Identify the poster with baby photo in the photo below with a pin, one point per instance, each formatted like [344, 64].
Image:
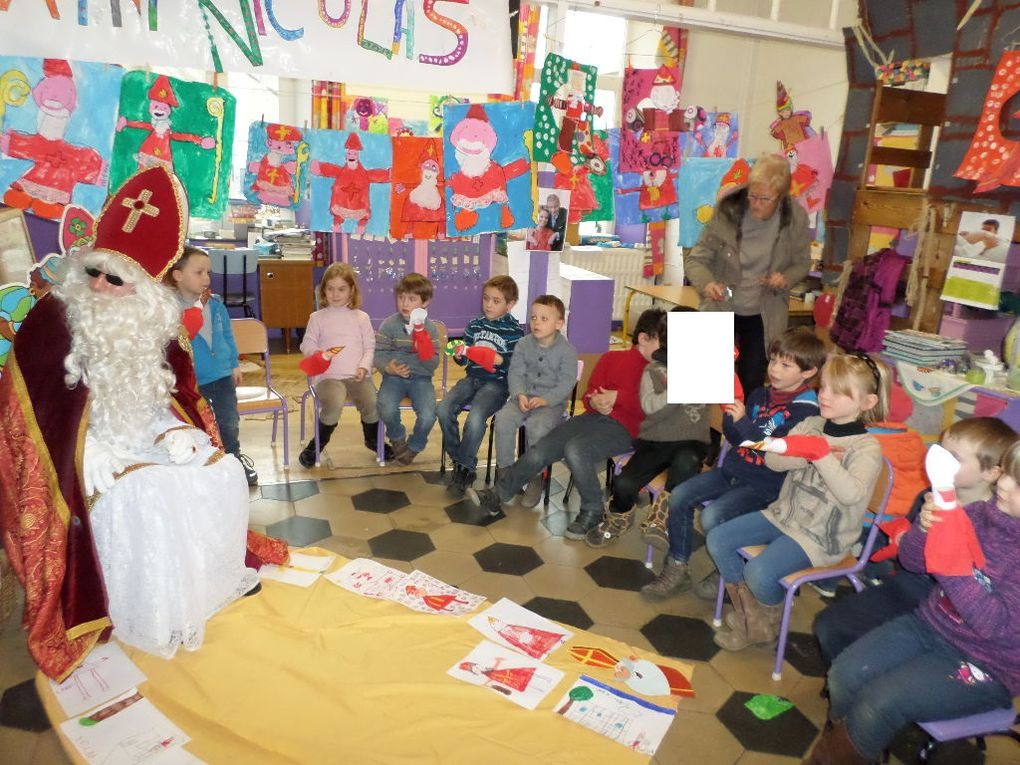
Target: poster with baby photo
[522, 680]
[984, 236]
[550, 227]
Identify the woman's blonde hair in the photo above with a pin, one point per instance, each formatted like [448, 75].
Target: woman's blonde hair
[339, 271]
[772, 171]
[857, 376]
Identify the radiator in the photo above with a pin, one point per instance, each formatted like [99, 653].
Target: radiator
[623, 265]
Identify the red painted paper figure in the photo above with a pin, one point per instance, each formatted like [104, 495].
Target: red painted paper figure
[46, 188]
[350, 198]
[274, 173]
[534, 642]
[514, 678]
[575, 108]
[657, 189]
[480, 181]
[595, 154]
[423, 209]
[992, 159]
[722, 138]
[661, 110]
[156, 148]
[791, 127]
[640, 675]
[436, 602]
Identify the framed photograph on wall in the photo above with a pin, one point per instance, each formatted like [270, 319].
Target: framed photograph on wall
[16, 254]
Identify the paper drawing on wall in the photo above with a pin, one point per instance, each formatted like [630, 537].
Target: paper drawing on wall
[523, 680]
[704, 181]
[488, 167]
[56, 133]
[640, 675]
[635, 201]
[353, 196]
[810, 172]
[187, 127]
[589, 182]
[992, 160]
[791, 127]
[436, 106]
[401, 127]
[565, 105]
[368, 115]
[276, 172]
[418, 199]
[653, 119]
[716, 137]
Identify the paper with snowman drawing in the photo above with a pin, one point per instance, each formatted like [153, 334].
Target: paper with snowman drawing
[523, 680]
[514, 626]
[421, 592]
[367, 577]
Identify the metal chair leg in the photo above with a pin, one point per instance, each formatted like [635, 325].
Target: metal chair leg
[488, 459]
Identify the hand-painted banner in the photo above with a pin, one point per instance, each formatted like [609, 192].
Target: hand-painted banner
[186, 126]
[488, 167]
[417, 203]
[590, 182]
[700, 179]
[566, 104]
[715, 137]
[350, 182]
[641, 197]
[454, 45]
[56, 133]
[277, 169]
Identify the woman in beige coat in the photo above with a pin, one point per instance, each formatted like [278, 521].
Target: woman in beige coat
[755, 247]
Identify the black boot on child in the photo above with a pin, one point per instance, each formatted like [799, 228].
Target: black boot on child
[307, 456]
[371, 432]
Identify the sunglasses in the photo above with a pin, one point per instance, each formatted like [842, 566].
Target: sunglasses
[95, 273]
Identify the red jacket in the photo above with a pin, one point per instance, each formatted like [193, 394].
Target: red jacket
[620, 371]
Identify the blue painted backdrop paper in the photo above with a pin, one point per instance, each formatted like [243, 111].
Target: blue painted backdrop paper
[513, 123]
[699, 183]
[294, 173]
[377, 154]
[91, 124]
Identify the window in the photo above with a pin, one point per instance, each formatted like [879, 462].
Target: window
[258, 98]
[595, 39]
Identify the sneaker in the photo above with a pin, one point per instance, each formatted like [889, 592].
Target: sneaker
[613, 526]
[672, 580]
[398, 448]
[462, 478]
[407, 457]
[653, 530]
[584, 523]
[249, 469]
[488, 500]
[533, 491]
[826, 587]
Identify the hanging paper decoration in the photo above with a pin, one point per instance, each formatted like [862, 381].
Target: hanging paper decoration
[715, 137]
[791, 127]
[436, 106]
[992, 159]
[810, 172]
[488, 167]
[899, 73]
[368, 115]
[566, 102]
[56, 133]
[402, 127]
[642, 197]
[350, 176]
[653, 119]
[655, 256]
[590, 183]
[187, 127]
[417, 200]
[276, 172]
[704, 180]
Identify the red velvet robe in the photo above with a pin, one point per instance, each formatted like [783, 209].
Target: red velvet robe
[43, 513]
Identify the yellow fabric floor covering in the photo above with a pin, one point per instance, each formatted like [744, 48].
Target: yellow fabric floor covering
[321, 675]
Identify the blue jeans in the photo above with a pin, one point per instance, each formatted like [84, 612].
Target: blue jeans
[904, 672]
[585, 442]
[844, 621]
[423, 400]
[782, 556]
[222, 397]
[730, 497]
[486, 397]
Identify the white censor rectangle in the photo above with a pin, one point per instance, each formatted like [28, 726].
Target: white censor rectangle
[699, 355]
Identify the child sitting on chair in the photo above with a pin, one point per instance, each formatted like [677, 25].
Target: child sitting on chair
[339, 346]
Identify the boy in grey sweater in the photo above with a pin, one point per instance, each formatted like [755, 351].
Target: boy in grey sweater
[407, 357]
[672, 438]
[543, 370]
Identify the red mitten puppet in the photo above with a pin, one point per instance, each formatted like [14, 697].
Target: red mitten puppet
[482, 355]
[809, 447]
[951, 548]
[894, 529]
[314, 365]
[421, 341]
[192, 320]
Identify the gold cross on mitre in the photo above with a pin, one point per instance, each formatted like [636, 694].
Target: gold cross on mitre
[139, 207]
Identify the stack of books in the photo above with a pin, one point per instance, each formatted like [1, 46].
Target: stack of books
[922, 348]
[293, 242]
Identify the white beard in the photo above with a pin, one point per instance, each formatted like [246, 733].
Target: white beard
[118, 351]
[51, 126]
[474, 165]
[664, 97]
[161, 125]
[426, 195]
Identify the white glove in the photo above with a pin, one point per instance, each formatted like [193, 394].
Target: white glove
[101, 463]
[181, 445]
[417, 319]
[942, 467]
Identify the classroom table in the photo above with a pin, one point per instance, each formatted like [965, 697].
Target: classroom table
[687, 296]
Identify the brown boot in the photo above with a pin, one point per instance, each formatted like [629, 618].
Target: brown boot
[762, 621]
[733, 636]
[835, 748]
